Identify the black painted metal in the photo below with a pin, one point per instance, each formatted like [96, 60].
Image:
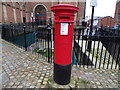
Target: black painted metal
[62, 74]
[25, 38]
[91, 30]
[105, 47]
[49, 29]
[12, 33]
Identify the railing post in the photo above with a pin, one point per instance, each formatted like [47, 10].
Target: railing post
[25, 37]
[91, 30]
[48, 30]
[0, 30]
[11, 26]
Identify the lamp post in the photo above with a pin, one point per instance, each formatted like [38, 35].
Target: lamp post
[84, 8]
[93, 4]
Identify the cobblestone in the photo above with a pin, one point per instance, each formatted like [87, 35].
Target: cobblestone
[39, 81]
[25, 70]
[44, 82]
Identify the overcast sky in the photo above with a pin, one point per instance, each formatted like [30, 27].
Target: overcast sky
[103, 8]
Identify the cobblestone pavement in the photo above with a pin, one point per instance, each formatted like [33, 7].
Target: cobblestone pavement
[21, 69]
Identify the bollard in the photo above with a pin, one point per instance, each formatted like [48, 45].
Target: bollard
[64, 27]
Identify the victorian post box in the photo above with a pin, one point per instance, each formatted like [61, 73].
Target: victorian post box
[64, 27]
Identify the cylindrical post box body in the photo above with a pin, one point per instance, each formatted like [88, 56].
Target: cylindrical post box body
[64, 27]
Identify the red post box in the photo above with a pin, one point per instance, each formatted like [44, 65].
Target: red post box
[64, 27]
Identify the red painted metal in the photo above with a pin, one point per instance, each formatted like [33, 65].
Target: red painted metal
[64, 13]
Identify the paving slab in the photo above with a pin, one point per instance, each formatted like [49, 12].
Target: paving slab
[4, 78]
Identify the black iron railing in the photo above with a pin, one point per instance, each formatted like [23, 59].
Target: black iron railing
[96, 49]
[104, 48]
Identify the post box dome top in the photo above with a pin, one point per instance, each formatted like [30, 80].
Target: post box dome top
[64, 7]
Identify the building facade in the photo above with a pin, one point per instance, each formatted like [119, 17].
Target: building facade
[96, 20]
[19, 12]
[107, 21]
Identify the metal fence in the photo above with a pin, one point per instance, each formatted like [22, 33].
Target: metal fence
[99, 48]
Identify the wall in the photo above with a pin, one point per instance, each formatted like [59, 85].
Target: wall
[1, 11]
[10, 15]
[19, 11]
[107, 21]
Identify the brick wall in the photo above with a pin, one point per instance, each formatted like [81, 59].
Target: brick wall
[24, 13]
[1, 13]
[18, 14]
[31, 6]
[107, 21]
[10, 12]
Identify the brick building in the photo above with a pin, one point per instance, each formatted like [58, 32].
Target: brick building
[117, 12]
[19, 12]
[107, 21]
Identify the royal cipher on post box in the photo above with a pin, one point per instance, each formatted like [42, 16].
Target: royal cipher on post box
[64, 27]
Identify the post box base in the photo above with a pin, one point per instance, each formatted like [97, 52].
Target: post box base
[62, 74]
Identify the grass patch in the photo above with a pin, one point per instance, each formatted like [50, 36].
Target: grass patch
[84, 82]
[44, 52]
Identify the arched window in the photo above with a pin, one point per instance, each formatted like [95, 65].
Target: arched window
[40, 15]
